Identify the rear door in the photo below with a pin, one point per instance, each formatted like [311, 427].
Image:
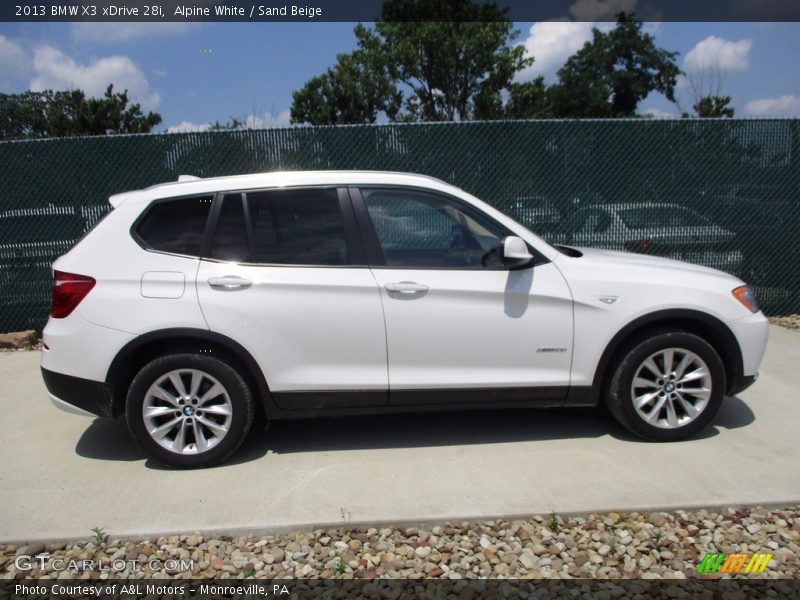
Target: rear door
[286, 277]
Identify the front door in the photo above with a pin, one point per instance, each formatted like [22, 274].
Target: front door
[456, 318]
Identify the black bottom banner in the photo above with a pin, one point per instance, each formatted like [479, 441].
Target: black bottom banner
[392, 589]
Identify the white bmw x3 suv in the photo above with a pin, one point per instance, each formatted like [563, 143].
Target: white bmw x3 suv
[193, 306]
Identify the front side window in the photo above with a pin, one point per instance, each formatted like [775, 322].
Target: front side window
[176, 226]
[420, 230]
[291, 227]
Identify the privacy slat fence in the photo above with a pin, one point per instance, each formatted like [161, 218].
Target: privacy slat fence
[725, 193]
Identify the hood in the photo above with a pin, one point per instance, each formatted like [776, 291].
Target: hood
[632, 261]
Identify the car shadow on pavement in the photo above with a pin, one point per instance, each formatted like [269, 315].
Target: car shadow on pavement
[105, 439]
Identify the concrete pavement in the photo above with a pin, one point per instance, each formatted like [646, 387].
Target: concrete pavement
[61, 475]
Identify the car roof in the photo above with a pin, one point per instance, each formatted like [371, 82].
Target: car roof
[188, 185]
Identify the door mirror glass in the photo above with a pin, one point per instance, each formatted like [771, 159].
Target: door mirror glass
[515, 252]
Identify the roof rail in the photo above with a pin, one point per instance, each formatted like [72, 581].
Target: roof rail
[188, 178]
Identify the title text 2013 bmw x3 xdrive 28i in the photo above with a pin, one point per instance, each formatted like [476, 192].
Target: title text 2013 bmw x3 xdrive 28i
[193, 305]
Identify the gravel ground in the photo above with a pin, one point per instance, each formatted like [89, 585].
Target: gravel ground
[625, 545]
[788, 321]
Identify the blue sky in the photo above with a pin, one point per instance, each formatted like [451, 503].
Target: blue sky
[196, 73]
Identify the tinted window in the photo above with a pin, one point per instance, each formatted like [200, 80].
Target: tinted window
[657, 217]
[293, 227]
[176, 226]
[302, 227]
[423, 230]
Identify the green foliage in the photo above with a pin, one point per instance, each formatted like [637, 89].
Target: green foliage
[554, 523]
[341, 568]
[452, 66]
[529, 100]
[355, 90]
[99, 534]
[714, 107]
[70, 113]
[613, 72]
[232, 124]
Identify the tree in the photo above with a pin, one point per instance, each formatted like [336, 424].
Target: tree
[613, 72]
[425, 60]
[70, 113]
[529, 100]
[714, 107]
[706, 84]
[355, 90]
[233, 124]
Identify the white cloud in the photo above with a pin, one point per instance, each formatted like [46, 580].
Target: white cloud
[55, 70]
[186, 126]
[551, 43]
[14, 63]
[719, 54]
[121, 32]
[784, 106]
[600, 10]
[267, 120]
[656, 113]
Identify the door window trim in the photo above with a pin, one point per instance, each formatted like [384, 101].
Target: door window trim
[373, 246]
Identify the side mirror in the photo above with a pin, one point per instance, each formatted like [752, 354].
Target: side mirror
[515, 252]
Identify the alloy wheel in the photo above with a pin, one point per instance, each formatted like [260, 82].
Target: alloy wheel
[187, 411]
[671, 388]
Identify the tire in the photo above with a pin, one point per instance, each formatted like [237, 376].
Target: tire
[209, 422]
[671, 408]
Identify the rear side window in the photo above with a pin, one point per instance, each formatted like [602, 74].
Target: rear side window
[302, 227]
[291, 227]
[176, 226]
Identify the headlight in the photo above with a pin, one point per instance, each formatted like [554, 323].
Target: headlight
[746, 297]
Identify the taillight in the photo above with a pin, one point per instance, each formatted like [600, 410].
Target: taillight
[68, 291]
[640, 246]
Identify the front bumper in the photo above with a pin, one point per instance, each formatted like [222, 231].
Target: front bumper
[86, 396]
[740, 384]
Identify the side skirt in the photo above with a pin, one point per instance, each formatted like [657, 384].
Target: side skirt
[300, 405]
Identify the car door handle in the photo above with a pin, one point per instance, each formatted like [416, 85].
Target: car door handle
[229, 283]
[406, 287]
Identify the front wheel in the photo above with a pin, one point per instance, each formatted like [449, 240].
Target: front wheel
[667, 387]
[187, 410]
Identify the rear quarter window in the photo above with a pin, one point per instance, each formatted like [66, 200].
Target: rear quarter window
[175, 226]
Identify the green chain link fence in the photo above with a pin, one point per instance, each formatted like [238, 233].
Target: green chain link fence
[724, 193]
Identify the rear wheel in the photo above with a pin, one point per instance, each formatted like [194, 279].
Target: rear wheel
[668, 387]
[187, 410]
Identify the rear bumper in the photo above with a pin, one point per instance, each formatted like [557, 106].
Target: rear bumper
[84, 395]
